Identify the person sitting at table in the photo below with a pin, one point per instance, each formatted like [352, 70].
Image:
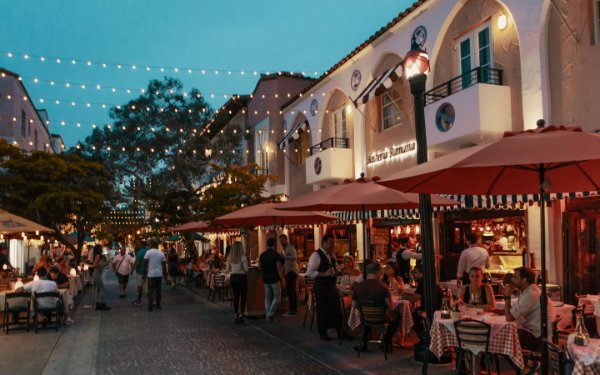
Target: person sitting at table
[374, 290]
[350, 275]
[476, 293]
[417, 273]
[395, 283]
[42, 285]
[526, 311]
[61, 280]
[44, 262]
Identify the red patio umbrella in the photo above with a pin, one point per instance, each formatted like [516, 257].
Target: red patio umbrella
[266, 214]
[361, 194]
[192, 226]
[13, 224]
[545, 160]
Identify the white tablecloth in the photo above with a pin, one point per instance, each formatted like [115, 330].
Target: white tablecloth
[587, 358]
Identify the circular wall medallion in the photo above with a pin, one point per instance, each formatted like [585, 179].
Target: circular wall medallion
[314, 107]
[444, 117]
[419, 36]
[355, 79]
[318, 165]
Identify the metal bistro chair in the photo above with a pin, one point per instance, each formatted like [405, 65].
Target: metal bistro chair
[309, 284]
[54, 310]
[372, 315]
[473, 332]
[313, 309]
[556, 360]
[14, 305]
[345, 316]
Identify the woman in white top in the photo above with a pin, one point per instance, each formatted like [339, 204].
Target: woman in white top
[350, 275]
[237, 266]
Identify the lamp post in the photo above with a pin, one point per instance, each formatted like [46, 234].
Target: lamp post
[416, 65]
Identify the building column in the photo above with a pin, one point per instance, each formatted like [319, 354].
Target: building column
[360, 241]
[359, 144]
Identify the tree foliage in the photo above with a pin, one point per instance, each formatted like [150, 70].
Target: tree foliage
[62, 192]
[235, 187]
[156, 149]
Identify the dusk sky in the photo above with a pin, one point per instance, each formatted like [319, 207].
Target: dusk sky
[257, 35]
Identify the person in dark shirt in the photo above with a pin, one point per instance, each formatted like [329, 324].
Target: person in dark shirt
[271, 265]
[4, 258]
[61, 280]
[374, 290]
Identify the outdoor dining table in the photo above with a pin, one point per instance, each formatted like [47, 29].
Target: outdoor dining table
[586, 358]
[504, 338]
[403, 307]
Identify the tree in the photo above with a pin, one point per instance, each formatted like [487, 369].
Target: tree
[62, 192]
[159, 149]
[235, 187]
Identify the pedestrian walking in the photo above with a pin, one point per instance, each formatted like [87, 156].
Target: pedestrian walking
[140, 272]
[322, 267]
[271, 265]
[290, 270]
[173, 266]
[99, 264]
[122, 264]
[237, 266]
[154, 260]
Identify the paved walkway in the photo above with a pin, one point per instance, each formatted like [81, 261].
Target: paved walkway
[190, 335]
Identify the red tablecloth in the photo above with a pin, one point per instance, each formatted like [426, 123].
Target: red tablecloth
[587, 358]
[504, 338]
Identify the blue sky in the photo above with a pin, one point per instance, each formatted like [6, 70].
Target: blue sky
[263, 35]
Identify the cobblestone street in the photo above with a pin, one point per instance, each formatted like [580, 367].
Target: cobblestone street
[189, 335]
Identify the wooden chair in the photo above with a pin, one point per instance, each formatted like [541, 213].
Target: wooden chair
[16, 304]
[51, 311]
[476, 333]
[372, 315]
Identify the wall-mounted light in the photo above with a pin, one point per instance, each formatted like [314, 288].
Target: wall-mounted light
[502, 21]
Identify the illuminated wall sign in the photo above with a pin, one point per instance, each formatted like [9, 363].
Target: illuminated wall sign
[392, 153]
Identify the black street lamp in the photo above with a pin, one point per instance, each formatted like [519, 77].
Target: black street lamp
[416, 66]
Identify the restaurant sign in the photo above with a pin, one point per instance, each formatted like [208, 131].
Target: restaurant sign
[392, 153]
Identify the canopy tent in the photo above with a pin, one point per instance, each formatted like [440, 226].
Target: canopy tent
[13, 224]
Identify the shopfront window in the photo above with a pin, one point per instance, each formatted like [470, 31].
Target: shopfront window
[391, 115]
[300, 148]
[338, 120]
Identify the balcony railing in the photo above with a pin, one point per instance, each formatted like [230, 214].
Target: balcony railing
[463, 81]
[330, 143]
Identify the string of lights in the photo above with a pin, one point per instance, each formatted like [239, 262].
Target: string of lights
[142, 67]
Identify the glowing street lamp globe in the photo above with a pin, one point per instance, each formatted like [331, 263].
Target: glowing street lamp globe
[416, 62]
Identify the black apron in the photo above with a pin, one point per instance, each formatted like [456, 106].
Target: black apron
[329, 313]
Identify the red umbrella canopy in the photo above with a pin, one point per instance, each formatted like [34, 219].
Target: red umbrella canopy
[266, 214]
[567, 158]
[192, 226]
[359, 194]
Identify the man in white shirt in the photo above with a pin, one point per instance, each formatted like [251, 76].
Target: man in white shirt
[154, 260]
[42, 285]
[290, 271]
[472, 256]
[122, 265]
[526, 311]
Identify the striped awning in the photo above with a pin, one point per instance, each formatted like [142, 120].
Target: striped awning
[356, 216]
[379, 85]
[293, 134]
[513, 201]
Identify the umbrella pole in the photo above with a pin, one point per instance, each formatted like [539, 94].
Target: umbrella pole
[366, 247]
[544, 299]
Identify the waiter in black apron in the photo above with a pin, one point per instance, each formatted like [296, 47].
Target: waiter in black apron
[322, 267]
